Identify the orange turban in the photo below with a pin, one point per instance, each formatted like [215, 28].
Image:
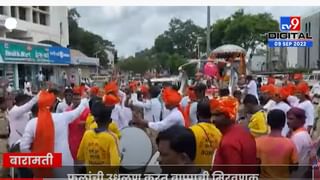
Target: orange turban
[94, 90]
[78, 90]
[191, 94]
[144, 89]
[271, 80]
[110, 100]
[264, 88]
[290, 87]
[44, 136]
[283, 92]
[270, 89]
[111, 87]
[133, 85]
[83, 88]
[302, 88]
[171, 97]
[228, 106]
[297, 76]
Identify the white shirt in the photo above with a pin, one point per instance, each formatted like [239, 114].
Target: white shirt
[303, 142]
[253, 89]
[28, 92]
[18, 117]
[184, 102]
[193, 113]
[315, 89]
[285, 108]
[40, 77]
[307, 106]
[151, 109]
[117, 116]
[62, 106]
[175, 117]
[126, 112]
[293, 101]
[270, 104]
[61, 130]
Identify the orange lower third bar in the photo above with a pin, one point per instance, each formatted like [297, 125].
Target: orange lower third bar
[32, 160]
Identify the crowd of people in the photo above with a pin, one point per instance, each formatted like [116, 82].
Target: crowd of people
[265, 130]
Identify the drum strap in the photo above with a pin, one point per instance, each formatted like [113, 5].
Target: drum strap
[206, 135]
[161, 112]
[116, 140]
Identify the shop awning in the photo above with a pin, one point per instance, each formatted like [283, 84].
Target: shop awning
[34, 63]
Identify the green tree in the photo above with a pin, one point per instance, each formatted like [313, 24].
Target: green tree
[245, 30]
[181, 38]
[87, 42]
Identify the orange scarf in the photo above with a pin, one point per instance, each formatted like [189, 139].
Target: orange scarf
[186, 115]
[44, 136]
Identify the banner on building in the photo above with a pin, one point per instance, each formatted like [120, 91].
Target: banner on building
[20, 52]
[59, 55]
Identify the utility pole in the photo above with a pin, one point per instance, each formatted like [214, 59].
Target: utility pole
[208, 31]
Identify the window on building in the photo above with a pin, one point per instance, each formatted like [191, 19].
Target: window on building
[309, 28]
[44, 8]
[306, 27]
[41, 15]
[13, 11]
[22, 13]
[1, 10]
[35, 17]
[43, 19]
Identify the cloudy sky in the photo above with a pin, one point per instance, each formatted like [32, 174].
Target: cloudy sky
[132, 29]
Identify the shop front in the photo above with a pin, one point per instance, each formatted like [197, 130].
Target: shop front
[21, 61]
[83, 66]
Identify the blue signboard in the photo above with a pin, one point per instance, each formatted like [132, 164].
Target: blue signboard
[59, 55]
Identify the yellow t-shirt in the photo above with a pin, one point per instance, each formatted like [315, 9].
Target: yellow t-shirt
[99, 149]
[258, 124]
[91, 124]
[207, 141]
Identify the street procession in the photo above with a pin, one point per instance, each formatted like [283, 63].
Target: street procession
[224, 119]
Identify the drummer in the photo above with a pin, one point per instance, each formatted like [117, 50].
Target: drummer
[111, 98]
[172, 100]
[151, 105]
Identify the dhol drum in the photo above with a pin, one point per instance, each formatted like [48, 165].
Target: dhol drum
[135, 149]
[153, 165]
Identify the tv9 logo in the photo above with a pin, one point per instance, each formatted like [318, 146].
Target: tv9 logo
[290, 23]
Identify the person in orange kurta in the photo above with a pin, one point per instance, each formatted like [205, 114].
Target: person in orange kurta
[274, 149]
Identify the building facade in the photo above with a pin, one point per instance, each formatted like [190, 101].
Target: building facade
[82, 66]
[36, 44]
[308, 57]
